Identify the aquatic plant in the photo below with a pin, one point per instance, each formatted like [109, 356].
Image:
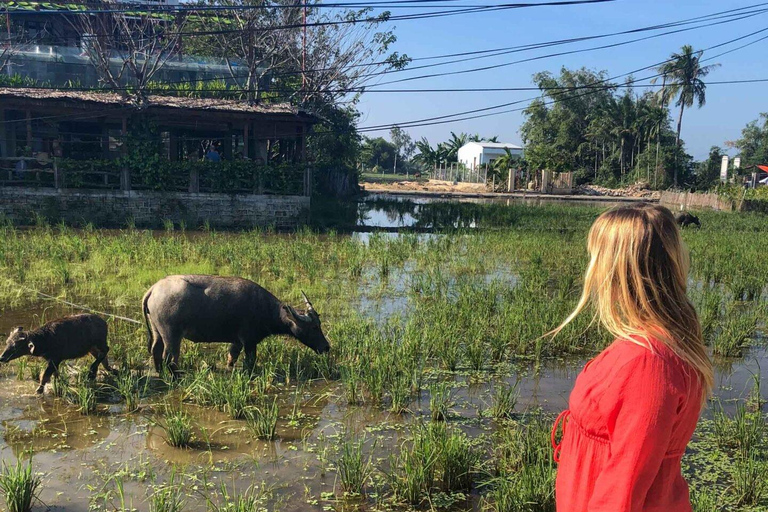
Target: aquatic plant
[177, 426]
[19, 485]
[439, 400]
[503, 400]
[354, 468]
[261, 420]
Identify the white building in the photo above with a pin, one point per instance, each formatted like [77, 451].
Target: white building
[473, 154]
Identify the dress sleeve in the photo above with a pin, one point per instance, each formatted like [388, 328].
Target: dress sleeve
[641, 408]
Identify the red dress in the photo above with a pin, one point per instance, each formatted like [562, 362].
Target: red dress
[632, 413]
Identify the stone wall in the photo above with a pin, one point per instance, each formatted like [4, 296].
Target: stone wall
[677, 201]
[151, 209]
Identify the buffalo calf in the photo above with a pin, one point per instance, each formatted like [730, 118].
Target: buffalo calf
[685, 219]
[71, 337]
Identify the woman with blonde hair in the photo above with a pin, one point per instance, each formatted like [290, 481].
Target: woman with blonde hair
[634, 407]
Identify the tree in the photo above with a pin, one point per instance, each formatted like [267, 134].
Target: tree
[708, 171]
[453, 145]
[403, 144]
[11, 42]
[683, 75]
[129, 48]
[377, 152]
[339, 58]
[753, 144]
[298, 51]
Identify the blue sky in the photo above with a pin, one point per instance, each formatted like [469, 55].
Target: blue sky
[729, 107]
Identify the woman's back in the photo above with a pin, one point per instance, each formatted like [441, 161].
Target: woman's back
[637, 403]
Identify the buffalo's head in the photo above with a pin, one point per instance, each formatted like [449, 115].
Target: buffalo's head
[305, 327]
[16, 345]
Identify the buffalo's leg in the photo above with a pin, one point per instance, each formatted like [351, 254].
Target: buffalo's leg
[99, 357]
[172, 347]
[157, 354]
[249, 363]
[45, 376]
[234, 353]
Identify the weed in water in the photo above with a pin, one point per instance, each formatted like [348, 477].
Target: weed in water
[439, 400]
[19, 485]
[400, 392]
[128, 385]
[704, 500]
[168, 497]
[503, 401]
[749, 482]
[178, 428]
[458, 462]
[21, 367]
[354, 468]
[84, 395]
[262, 420]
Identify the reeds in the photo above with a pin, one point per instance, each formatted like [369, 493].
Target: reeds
[19, 485]
[261, 420]
[354, 468]
[177, 426]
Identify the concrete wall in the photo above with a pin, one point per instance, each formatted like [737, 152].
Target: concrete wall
[677, 201]
[146, 208]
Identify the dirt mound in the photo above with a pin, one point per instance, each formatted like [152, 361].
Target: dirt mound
[639, 189]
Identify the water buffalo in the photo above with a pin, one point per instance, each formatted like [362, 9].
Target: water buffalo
[70, 337]
[685, 219]
[213, 309]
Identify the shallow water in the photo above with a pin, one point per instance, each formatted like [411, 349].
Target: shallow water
[82, 457]
[79, 454]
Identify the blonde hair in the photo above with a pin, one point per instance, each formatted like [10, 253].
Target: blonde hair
[637, 281]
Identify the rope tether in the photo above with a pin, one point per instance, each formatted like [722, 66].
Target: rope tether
[76, 306]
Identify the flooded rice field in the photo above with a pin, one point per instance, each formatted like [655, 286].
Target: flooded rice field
[438, 393]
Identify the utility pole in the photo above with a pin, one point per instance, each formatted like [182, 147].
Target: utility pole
[304, 52]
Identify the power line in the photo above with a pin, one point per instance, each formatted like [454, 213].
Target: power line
[734, 15]
[593, 90]
[360, 89]
[178, 9]
[559, 54]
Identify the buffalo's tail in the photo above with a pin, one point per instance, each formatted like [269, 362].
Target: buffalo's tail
[145, 312]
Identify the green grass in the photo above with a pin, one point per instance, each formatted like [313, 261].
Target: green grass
[354, 467]
[261, 420]
[178, 428]
[503, 400]
[19, 485]
[461, 308]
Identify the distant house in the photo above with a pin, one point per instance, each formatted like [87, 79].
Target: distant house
[473, 154]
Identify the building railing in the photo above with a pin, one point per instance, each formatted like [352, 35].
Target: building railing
[227, 177]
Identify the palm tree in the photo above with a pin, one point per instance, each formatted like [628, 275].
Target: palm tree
[683, 75]
[427, 157]
[453, 144]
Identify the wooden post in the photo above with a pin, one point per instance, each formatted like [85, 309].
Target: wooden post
[246, 145]
[58, 177]
[29, 132]
[194, 180]
[125, 172]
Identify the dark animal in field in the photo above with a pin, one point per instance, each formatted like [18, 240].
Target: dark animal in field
[685, 219]
[71, 337]
[213, 309]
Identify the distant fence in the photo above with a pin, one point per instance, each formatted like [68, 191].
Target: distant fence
[460, 173]
[685, 200]
[229, 177]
